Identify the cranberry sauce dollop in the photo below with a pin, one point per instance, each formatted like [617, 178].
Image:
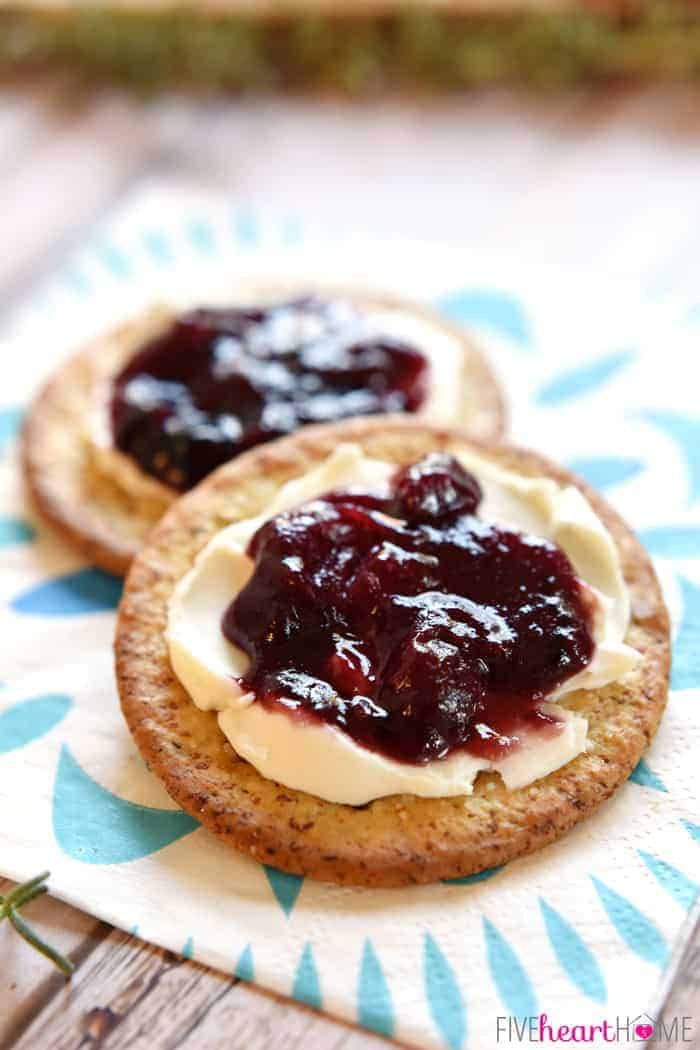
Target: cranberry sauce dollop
[415, 636]
[219, 381]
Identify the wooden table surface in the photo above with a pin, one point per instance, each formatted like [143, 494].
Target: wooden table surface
[575, 180]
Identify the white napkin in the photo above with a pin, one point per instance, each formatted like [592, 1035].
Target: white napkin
[579, 931]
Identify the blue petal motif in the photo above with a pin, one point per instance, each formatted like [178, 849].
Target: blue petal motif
[187, 949]
[606, 471]
[575, 383]
[94, 826]
[14, 531]
[30, 719]
[637, 931]
[202, 236]
[575, 958]
[245, 970]
[307, 987]
[114, 260]
[685, 431]
[443, 995]
[682, 889]
[480, 876]
[510, 978]
[375, 1009]
[158, 247]
[286, 887]
[10, 420]
[685, 672]
[692, 829]
[292, 230]
[641, 774]
[245, 228]
[491, 309]
[76, 593]
[672, 541]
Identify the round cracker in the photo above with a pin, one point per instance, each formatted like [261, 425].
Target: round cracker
[107, 521]
[401, 839]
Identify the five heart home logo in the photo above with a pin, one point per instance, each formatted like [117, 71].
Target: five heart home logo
[622, 1030]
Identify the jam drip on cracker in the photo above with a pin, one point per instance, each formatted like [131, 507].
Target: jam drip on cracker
[407, 621]
[219, 381]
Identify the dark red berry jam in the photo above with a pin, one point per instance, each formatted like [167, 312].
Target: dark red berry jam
[415, 636]
[220, 381]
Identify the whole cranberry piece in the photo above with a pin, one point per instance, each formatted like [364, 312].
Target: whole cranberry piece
[435, 487]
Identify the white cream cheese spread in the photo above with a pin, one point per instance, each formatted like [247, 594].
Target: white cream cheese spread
[323, 760]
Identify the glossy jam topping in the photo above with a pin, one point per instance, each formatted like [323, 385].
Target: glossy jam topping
[220, 381]
[409, 622]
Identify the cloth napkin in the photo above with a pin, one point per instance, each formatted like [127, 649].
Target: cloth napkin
[580, 931]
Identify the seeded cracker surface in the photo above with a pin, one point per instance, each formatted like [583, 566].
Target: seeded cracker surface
[401, 839]
[108, 522]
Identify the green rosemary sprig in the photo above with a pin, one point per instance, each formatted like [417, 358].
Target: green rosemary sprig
[9, 909]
